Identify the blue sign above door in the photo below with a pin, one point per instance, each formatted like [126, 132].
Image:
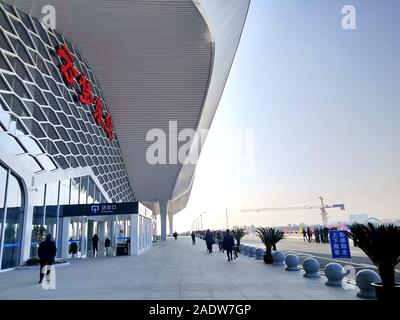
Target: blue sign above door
[99, 209]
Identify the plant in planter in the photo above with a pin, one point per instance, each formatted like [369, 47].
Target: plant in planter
[32, 262]
[381, 245]
[238, 234]
[270, 237]
[36, 262]
[38, 235]
[73, 249]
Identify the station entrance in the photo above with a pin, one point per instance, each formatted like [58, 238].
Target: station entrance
[119, 229]
[113, 234]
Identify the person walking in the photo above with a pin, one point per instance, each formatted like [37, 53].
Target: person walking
[107, 245]
[209, 240]
[304, 235]
[220, 239]
[193, 235]
[229, 243]
[175, 234]
[47, 253]
[316, 234]
[321, 235]
[326, 234]
[309, 234]
[95, 244]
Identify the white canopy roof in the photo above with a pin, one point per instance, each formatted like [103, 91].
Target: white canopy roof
[157, 61]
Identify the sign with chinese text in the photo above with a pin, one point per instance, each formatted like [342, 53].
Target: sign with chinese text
[98, 209]
[340, 247]
[69, 74]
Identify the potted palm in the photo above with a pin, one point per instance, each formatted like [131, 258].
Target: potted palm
[238, 234]
[270, 237]
[381, 245]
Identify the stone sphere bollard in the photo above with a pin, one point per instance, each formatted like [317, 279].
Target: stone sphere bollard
[292, 262]
[279, 258]
[259, 254]
[311, 268]
[364, 278]
[252, 252]
[246, 250]
[335, 274]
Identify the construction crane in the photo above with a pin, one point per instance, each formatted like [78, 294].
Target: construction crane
[322, 207]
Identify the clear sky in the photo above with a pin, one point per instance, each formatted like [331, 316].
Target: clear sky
[324, 104]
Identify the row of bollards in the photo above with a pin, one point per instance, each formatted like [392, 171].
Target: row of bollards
[334, 272]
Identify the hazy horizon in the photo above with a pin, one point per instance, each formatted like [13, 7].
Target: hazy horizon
[324, 106]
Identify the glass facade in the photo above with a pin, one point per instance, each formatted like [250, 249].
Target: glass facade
[47, 131]
[12, 203]
[46, 210]
[46, 219]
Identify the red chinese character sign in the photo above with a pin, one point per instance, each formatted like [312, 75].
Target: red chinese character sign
[69, 74]
[108, 126]
[98, 112]
[86, 95]
[67, 69]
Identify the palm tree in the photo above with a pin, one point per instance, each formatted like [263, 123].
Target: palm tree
[270, 237]
[381, 245]
[238, 234]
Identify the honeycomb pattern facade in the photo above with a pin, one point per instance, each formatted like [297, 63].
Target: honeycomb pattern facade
[53, 130]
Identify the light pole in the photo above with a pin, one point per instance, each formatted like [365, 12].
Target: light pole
[201, 219]
[227, 224]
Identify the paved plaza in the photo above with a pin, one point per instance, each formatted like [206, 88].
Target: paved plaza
[171, 270]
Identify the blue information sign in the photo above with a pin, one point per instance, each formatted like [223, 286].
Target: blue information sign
[98, 209]
[339, 244]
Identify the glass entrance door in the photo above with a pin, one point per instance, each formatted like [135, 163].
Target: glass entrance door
[78, 237]
[92, 229]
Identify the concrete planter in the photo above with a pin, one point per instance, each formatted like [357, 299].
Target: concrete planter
[387, 294]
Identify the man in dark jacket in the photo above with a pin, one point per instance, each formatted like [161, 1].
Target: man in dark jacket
[107, 245]
[316, 234]
[229, 243]
[220, 239]
[193, 238]
[209, 240]
[95, 242]
[47, 253]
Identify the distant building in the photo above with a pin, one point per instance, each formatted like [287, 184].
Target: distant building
[247, 229]
[359, 218]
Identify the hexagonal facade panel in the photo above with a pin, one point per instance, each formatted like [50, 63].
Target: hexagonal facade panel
[44, 113]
